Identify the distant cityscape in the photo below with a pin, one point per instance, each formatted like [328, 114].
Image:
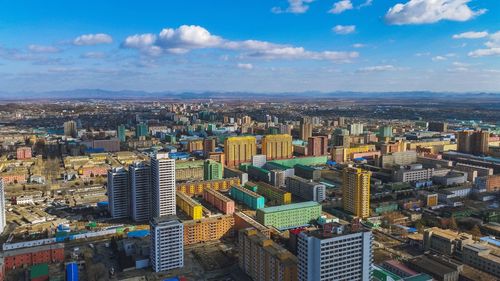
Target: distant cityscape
[238, 189]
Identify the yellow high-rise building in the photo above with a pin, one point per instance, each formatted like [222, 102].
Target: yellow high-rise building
[239, 150]
[356, 191]
[277, 146]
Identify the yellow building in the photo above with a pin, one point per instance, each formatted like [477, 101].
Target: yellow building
[343, 154]
[194, 145]
[239, 150]
[197, 187]
[414, 145]
[277, 146]
[189, 206]
[356, 191]
[208, 229]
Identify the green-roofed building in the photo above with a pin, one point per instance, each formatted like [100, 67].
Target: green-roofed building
[38, 271]
[289, 216]
[380, 274]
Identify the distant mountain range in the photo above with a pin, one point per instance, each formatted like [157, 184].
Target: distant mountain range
[100, 94]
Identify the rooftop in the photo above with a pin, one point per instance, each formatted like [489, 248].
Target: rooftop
[288, 207]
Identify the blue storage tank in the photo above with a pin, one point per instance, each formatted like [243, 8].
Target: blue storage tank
[72, 272]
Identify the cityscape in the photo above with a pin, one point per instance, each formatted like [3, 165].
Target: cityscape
[369, 151]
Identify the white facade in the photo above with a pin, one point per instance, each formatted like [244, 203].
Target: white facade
[2, 207]
[163, 185]
[338, 257]
[355, 129]
[306, 189]
[118, 193]
[167, 243]
[140, 188]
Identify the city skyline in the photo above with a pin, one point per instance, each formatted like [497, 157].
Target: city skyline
[267, 47]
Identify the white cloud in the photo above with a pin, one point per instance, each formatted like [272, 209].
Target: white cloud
[245, 66]
[43, 49]
[439, 58]
[431, 11]
[378, 68]
[344, 29]
[294, 7]
[301, 53]
[93, 39]
[358, 45]
[186, 38]
[366, 4]
[93, 55]
[492, 47]
[341, 6]
[471, 35]
[485, 52]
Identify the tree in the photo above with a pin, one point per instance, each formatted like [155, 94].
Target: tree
[453, 224]
[476, 231]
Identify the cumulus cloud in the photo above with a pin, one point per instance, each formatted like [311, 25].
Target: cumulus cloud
[358, 45]
[92, 39]
[294, 7]
[344, 29]
[189, 37]
[42, 49]
[378, 68]
[492, 47]
[245, 66]
[341, 6]
[431, 11]
[471, 35]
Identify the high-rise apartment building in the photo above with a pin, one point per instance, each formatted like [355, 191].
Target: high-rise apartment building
[70, 129]
[167, 243]
[438, 126]
[239, 150]
[277, 146]
[474, 142]
[246, 120]
[385, 132]
[120, 133]
[118, 193]
[162, 185]
[336, 253]
[341, 138]
[2, 207]
[209, 145]
[141, 130]
[262, 259]
[23, 153]
[356, 191]
[140, 188]
[355, 129]
[317, 146]
[212, 170]
[306, 128]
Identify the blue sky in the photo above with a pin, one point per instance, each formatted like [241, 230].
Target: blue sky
[260, 46]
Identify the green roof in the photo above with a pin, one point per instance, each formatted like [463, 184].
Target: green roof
[420, 277]
[39, 270]
[289, 207]
[305, 167]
